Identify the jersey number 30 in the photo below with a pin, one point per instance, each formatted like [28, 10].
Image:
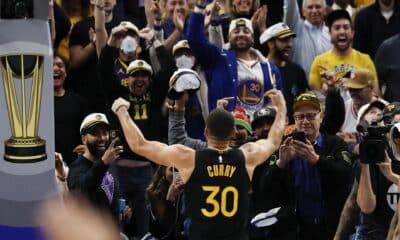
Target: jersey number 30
[220, 206]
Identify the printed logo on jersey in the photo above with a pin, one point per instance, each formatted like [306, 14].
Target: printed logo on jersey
[140, 106]
[250, 92]
[392, 196]
[342, 69]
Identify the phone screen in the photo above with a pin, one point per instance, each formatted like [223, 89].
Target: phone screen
[115, 134]
[299, 136]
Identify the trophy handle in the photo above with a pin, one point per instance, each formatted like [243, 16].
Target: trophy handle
[11, 98]
[36, 94]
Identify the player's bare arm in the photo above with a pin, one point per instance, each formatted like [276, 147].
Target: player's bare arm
[259, 151]
[177, 155]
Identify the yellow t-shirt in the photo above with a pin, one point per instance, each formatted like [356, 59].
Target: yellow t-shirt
[339, 64]
[359, 3]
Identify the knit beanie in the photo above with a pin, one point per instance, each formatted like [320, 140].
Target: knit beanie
[241, 119]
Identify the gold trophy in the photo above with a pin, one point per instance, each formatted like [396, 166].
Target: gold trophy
[23, 70]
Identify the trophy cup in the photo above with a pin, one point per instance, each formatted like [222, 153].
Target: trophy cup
[23, 70]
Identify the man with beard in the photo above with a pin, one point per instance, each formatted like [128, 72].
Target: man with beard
[374, 24]
[342, 58]
[89, 173]
[240, 72]
[279, 41]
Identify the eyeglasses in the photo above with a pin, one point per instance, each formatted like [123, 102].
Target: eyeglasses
[309, 116]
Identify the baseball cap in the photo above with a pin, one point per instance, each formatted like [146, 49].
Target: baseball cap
[92, 120]
[305, 99]
[366, 107]
[183, 44]
[266, 112]
[336, 15]
[360, 78]
[138, 65]
[183, 79]
[241, 119]
[129, 26]
[279, 30]
[391, 109]
[238, 22]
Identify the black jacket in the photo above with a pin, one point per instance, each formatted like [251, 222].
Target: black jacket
[371, 28]
[86, 177]
[278, 189]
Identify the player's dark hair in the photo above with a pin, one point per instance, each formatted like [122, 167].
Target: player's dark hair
[220, 124]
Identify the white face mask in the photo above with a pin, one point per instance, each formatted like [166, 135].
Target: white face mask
[129, 45]
[184, 61]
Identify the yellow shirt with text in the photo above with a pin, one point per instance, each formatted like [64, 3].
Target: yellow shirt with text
[339, 64]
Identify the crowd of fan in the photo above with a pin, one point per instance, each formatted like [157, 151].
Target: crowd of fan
[336, 63]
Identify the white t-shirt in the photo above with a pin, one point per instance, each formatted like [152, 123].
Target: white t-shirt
[350, 118]
[250, 85]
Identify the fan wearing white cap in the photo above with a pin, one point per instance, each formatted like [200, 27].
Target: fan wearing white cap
[146, 94]
[124, 39]
[139, 77]
[185, 60]
[183, 55]
[125, 36]
[276, 42]
[89, 174]
[240, 71]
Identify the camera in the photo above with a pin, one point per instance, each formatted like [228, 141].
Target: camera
[15, 9]
[299, 136]
[373, 144]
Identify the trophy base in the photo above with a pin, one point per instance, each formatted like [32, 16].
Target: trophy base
[25, 150]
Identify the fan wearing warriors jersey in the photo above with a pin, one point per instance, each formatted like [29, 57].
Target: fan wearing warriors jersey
[217, 179]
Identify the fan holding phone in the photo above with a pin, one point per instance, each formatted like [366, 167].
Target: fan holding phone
[310, 154]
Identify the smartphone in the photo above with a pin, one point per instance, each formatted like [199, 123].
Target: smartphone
[175, 174]
[115, 134]
[299, 136]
